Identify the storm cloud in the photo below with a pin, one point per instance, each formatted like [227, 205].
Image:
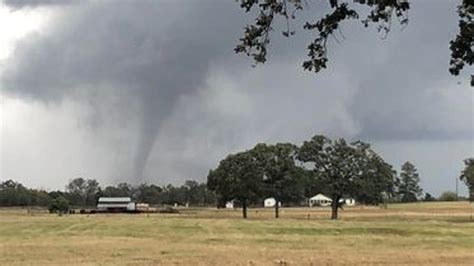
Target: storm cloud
[143, 55]
[16, 4]
[159, 84]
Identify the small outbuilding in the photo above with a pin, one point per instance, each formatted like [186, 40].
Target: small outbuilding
[229, 205]
[320, 200]
[348, 201]
[270, 202]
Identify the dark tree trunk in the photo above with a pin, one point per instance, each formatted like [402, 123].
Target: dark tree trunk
[277, 213]
[335, 207]
[244, 209]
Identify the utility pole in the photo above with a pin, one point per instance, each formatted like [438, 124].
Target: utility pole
[457, 195]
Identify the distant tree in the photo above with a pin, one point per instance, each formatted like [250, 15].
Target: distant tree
[197, 194]
[15, 194]
[59, 205]
[83, 192]
[121, 190]
[467, 175]
[448, 196]
[237, 178]
[77, 191]
[38, 197]
[92, 192]
[281, 177]
[328, 23]
[191, 192]
[340, 165]
[205, 196]
[111, 191]
[428, 197]
[409, 189]
[150, 194]
[125, 188]
[175, 195]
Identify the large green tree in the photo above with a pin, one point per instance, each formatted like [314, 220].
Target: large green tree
[149, 193]
[282, 179]
[197, 193]
[83, 192]
[238, 177]
[378, 182]
[328, 21]
[467, 175]
[409, 189]
[341, 166]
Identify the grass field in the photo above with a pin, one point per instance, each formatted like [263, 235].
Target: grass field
[420, 233]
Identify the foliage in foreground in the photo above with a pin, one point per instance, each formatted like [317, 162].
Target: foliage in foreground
[328, 22]
[467, 175]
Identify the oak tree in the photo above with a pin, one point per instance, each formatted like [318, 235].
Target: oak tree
[282, 178]
[238, 177]
[340, 165]
[381, 13]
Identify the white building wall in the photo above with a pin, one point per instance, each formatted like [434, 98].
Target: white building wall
[270, 202]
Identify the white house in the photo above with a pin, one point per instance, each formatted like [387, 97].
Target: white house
[320, 200]
[270, 202]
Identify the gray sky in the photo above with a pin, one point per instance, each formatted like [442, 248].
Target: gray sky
[152, 91]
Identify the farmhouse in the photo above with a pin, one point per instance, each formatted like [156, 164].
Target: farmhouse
[319, 200]
[324, 201]
[115, 204]
[270, 202]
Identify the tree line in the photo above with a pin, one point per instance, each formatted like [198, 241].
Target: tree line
[84, 193]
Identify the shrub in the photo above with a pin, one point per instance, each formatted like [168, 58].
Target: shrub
[59, 205]
[448, 196]
[428, 197]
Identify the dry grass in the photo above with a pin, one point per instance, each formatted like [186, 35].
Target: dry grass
[428, 233]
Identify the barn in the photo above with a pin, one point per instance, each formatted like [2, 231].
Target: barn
[115, 204]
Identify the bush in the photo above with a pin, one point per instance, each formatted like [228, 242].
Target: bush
[448, 196]
[428, 197]
[59, 205]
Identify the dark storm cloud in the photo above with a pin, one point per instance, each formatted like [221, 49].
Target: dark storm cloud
[147, 53]
[404, 90]
[36, 3]
[168, 69]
